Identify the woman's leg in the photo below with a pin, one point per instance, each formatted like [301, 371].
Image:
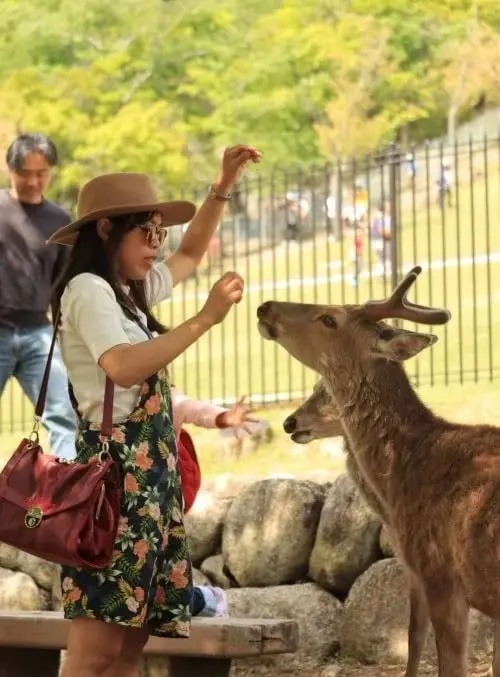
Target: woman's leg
[127, 663]
[93, 647]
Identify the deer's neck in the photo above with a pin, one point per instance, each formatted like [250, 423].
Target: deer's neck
[382, 417]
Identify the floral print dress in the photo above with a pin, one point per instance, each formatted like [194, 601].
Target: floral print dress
[149, 581]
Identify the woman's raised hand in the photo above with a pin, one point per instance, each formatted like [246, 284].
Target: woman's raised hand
[224, 294]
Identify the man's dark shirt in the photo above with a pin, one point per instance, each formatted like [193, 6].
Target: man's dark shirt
[28, 266]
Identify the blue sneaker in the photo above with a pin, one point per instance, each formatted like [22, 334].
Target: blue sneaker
[215, 602]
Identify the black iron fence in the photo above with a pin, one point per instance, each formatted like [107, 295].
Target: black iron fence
[344, 233]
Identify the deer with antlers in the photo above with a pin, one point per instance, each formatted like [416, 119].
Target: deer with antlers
[437, 482]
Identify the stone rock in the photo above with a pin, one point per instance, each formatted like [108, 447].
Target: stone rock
[324, 477]
[18, 591]
[376, 614]
[270, 530]
[42, 572]
[213, 568]
[204, 524]
[56, 595]
[317, 612]
[228, 485]
[385, 543]
[199, 577]
[347, 539]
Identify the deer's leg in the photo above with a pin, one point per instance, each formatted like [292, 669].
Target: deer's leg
[450, 619]
[418, 628]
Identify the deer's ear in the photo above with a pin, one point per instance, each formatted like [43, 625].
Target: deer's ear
[401, 344]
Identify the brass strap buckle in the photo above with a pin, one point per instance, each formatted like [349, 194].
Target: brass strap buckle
[33, 517]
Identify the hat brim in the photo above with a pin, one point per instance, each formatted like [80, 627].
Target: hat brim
[173, 214]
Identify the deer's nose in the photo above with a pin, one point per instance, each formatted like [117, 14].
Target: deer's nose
[289, 424]
[263, 309]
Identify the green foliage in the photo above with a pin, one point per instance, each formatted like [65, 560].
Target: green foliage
[162, 86]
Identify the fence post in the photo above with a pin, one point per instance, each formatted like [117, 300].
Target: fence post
[394, 156]
[338, 226]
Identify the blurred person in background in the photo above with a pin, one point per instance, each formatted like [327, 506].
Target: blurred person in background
[381, 235]
[444, 182]
[28, 271]
[297, 210]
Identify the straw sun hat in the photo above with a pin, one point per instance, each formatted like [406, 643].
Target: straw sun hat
[123, 193]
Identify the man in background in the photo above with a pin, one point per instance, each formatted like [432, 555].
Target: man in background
[381, 234]
[28, 270]
[443, 182]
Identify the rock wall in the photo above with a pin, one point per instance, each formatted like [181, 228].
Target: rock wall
[284, 548]
[318, 554]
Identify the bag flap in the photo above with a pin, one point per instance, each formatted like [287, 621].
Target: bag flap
[34, 479]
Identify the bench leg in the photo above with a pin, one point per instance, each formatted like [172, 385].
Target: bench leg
[198, 667]
[21, 662]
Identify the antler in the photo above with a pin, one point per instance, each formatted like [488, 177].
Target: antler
[397, 305]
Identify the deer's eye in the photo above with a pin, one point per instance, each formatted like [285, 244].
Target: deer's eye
[386, 334]
[328, 321]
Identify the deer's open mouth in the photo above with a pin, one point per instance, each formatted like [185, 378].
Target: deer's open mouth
[267, 331]
[302, 437]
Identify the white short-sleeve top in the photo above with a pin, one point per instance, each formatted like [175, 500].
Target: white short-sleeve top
[92, 323]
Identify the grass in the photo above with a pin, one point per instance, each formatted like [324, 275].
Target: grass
[232, 359]
[474, 403]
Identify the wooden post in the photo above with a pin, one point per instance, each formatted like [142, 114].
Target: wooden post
[21, 662]
[197, 667]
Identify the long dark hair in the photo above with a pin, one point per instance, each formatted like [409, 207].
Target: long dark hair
[92, 254]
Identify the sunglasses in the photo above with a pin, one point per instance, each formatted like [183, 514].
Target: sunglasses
[155, 233]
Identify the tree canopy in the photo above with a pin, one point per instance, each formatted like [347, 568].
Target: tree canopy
[163, 85]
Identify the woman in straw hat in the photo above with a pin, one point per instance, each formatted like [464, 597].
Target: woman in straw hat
[104, 299]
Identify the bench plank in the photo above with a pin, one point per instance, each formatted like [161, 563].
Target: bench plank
[210, 637]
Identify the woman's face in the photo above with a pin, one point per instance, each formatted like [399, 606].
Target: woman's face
[138, 249]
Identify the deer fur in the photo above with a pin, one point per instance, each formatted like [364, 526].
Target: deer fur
[317, 418]
[438, 482]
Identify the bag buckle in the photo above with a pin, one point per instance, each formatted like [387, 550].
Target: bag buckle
[34, 436]
[103, 454]
[33, 517]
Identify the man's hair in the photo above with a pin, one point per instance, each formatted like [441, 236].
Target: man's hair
[26, 144]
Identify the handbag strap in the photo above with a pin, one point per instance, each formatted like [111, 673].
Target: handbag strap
[109, 391]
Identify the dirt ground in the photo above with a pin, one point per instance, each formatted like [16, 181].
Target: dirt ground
[378, 671]
[353, 670]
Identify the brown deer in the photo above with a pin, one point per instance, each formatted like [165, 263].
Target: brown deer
[438, 482]
[318, 417]
[315, 419]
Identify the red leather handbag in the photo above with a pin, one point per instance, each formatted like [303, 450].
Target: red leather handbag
[189, 469]
[62, 511]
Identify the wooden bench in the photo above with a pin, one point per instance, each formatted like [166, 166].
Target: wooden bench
[30, 642]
